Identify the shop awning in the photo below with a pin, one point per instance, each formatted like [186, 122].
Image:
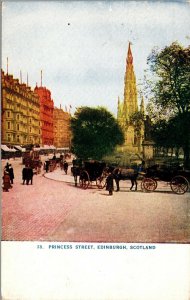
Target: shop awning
[5, 148]
[37, 149]
[66, 148]
[50, 147]
[12, 150]
[20, 148]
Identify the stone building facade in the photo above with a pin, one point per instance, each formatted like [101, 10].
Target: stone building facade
[46, 115]
[20, 113]
[128, 108]
[62, 132]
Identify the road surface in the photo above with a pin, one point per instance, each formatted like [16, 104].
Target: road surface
[53, 209]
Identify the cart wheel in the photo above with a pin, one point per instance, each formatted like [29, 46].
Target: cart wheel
[84, 180]
[149, 184]
[179, 185]
[101, 182]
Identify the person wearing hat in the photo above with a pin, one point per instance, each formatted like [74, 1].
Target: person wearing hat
[109, 183]
[7, 167]
[25, 174]
[30, 175]
[11, 173]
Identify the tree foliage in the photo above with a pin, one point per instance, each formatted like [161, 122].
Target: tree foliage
[169, 106]
[171, 68]
[95, 132]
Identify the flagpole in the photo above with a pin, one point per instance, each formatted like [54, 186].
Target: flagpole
[7, 65]
[41, 78]
[20, 77]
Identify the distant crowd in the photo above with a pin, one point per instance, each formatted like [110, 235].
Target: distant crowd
[28, 171]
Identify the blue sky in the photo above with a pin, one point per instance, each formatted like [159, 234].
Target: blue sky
[82, 46]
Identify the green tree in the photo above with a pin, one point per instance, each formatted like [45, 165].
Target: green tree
[170, 101]
[95, 132]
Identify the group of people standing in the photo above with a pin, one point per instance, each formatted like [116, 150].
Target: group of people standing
[8, 176]
[27, 175]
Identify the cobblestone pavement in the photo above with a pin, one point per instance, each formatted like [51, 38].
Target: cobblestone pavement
[53, 209]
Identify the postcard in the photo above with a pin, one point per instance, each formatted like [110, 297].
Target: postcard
[95, 150]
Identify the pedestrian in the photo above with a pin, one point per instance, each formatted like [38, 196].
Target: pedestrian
[6, 182]
[25, 174]
[7, 167]
[11, 173]
[116, 175]
[61, 165]
[109, 183]
[47, 163]
[65, 166]
[30, 175]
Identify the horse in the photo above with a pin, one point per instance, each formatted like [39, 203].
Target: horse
[125, 174]
[75, 171]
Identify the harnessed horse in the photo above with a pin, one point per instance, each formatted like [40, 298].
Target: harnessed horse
[125, 174]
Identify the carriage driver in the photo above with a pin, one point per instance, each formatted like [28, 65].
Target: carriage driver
[109, 183]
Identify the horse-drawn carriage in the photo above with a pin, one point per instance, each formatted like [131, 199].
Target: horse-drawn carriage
[32, 159]
[88, 172]
[177, 178]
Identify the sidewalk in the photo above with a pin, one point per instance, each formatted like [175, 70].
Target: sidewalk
[59, 175]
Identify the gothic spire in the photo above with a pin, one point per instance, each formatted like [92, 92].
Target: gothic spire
[129, 55]
[130, 89]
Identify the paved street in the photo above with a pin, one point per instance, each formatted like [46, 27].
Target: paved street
[53, 209]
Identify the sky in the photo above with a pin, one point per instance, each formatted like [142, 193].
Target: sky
[81, 46]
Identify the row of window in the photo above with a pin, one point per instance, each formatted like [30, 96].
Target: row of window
[26, 96]
[18, 127]
[18, 117]
[10, 138]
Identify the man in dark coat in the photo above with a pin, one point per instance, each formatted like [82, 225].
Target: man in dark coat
[30, 175]
[47, 163]
[65, 166]
[11, 173]
[25, 174]
[7, 167]
[109, 183]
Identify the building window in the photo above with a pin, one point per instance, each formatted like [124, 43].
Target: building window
[30, 129]
[18, 127]
[8, 137]
[8, 114]
[8, 125]
[17, 117]
[18, 138]
[30, 121]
